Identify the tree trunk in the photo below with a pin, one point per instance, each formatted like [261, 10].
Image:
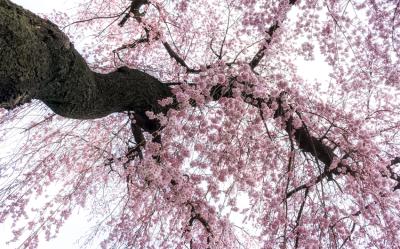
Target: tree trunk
[37, 61]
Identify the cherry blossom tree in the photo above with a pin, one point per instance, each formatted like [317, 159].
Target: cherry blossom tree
[192, 124]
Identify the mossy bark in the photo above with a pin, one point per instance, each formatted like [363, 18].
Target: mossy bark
[37, 61]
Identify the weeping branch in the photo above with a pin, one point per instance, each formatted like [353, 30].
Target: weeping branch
[134, 12]
[37, 61]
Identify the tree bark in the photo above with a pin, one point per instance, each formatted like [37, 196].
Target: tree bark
[37, 61]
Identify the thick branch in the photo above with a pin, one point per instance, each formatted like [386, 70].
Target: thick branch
[261, 52]
[134, 9]
[37, 61]
[269, 33]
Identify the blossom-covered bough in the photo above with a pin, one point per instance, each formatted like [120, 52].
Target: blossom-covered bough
[194, 124]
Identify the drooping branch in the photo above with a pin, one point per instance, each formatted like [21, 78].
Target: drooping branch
[134, 12]
[37, 61]
[307, 142]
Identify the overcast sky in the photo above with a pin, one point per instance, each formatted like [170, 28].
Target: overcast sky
[45, 6]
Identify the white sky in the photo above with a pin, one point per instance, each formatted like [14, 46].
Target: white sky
[45, 6]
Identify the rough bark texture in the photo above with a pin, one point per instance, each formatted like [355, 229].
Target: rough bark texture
[37, 61]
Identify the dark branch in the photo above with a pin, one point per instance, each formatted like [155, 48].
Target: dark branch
[395, 160]
[270, 32]
[133, 10]
[179, 59]
[37, 61]
[261, 52]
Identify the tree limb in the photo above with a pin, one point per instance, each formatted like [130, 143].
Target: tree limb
[270, 32]
[37, 61]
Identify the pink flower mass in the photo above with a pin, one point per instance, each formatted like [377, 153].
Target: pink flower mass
[246, 152]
